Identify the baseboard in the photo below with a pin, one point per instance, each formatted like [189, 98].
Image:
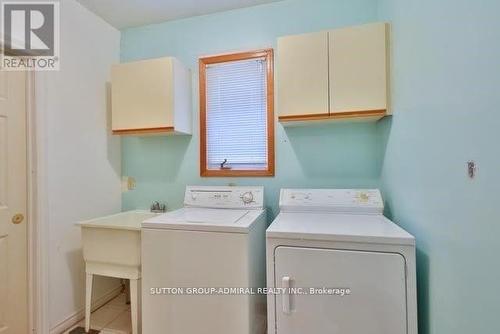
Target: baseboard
[76, 317]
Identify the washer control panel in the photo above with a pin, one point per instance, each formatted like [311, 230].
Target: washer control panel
[332, 200]
[224, 197]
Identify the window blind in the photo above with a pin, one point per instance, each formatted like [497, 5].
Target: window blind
[236, 103]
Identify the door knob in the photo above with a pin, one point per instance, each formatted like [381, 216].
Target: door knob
[17, 218]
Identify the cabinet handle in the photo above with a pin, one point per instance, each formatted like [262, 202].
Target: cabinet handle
[285, 283]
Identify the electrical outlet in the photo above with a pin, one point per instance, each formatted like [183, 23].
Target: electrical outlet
[128, 183]
[471, 169]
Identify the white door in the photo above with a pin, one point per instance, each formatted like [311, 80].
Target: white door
[13, 231]
[376, 303]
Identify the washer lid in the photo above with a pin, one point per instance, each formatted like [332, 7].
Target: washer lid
[338, 227]
[204, 219]
[205, 216]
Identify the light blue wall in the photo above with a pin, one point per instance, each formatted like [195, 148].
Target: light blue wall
[446, 95]
[346, 155]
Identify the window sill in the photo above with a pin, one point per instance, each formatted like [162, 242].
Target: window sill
[237, 173]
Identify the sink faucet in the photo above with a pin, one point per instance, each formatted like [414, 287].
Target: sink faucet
[158, 207]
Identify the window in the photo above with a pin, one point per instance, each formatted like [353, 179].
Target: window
[236, 114]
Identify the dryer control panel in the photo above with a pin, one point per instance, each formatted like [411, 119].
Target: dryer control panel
[332, 200]
[224, 197]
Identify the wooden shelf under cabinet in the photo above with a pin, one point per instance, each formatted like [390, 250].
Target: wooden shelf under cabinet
[354, 116]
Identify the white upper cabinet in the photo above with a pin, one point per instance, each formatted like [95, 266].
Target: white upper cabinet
[302, 77]
[151, 97]
[336, 74]
[358, 69]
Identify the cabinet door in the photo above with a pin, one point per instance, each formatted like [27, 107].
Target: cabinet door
[358, 68]
[302, 75]
[142, 95]
[376, 303]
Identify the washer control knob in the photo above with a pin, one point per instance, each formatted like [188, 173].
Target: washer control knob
[247, 197]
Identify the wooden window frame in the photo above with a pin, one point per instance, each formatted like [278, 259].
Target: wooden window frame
[268, 54]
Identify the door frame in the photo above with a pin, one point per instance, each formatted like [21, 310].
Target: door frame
[38, 264]
[37, 242]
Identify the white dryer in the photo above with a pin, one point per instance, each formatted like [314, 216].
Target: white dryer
[346, 269]
[216, 241]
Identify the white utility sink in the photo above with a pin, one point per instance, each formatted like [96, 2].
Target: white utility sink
[112, 247]
[113, 243]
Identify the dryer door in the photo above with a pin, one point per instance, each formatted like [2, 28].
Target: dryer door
[370, 296]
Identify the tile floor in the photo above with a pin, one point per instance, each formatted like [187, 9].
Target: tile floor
[112, 318]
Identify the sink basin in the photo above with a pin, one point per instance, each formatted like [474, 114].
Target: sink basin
[112, 244]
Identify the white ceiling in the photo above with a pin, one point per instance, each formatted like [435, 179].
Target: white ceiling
[130, 13]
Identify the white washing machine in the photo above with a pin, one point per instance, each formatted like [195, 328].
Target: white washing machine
[349, 269]
[216, 241]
